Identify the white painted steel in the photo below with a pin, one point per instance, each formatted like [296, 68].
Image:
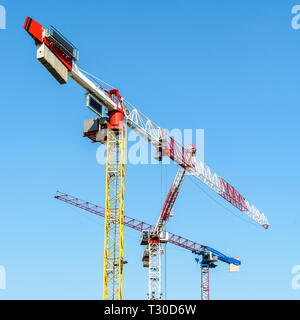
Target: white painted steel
[154, 292]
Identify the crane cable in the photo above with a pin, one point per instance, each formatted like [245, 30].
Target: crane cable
[166, 243]
[221, 205]
[164, 191]
[95, 78]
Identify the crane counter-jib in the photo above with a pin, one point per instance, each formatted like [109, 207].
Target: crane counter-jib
[91, 87]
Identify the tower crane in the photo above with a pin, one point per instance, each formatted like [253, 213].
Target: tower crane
[59, 56]
[210, 256]
[153, 239]
[209, 261]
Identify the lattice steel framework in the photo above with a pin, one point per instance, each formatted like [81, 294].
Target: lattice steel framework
[114, 216]
[154, 292]
[169, 203]
[204, 282]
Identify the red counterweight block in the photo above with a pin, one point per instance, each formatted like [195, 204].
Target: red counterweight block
[34, 29]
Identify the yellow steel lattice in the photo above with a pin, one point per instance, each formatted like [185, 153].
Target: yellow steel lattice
[114, 216]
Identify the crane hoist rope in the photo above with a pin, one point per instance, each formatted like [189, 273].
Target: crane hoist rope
[221, 205]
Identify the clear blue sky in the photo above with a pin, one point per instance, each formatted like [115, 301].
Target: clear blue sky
[229, 67]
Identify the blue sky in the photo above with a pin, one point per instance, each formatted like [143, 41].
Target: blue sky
[230, 68]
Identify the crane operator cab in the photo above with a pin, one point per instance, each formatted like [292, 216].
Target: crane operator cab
[209, 259]
[96, 129]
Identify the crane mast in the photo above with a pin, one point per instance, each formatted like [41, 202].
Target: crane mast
[204, 282]
[208, 261]
[153, 240]
[114, 209]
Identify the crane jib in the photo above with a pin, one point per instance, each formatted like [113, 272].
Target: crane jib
[140, 226]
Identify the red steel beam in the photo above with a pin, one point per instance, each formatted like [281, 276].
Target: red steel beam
[128, 222]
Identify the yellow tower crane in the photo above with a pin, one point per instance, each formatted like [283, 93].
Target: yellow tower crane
[58, 55]
[111, 131]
